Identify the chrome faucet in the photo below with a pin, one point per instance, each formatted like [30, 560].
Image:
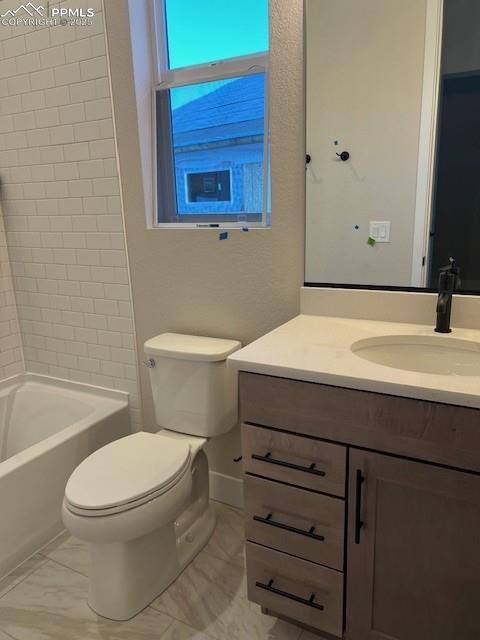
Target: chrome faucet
[448, 282]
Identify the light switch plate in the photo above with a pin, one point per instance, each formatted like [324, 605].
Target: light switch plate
[380, 231]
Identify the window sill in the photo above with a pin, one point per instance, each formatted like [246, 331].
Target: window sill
[210, 227]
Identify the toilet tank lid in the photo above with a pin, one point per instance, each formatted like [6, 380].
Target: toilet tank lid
[184, 347]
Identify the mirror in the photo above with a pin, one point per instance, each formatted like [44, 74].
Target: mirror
[393, 141]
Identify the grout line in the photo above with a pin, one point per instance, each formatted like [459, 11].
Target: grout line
[55, 86]
[228, 561]
[239, 510]
[65, 566]
[56, 66]
[58, 144]
[21, 199]
[150, 606]
[6, 633]
[172, 621]
[206, 553]
[23, 578]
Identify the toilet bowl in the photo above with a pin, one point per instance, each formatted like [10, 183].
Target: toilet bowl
[142, 502]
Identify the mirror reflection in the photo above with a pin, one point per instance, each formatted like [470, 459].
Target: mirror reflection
[393, 142]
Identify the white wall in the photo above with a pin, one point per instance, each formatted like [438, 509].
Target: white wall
[364, 88]
[188, 281]
[62, 204]
[11, 360]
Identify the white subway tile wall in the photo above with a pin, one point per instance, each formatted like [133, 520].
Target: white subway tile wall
[62, 205]
[11, 361]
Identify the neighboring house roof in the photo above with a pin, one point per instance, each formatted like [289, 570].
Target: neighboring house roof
[233, 111]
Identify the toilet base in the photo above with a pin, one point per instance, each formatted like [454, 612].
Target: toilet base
[126, 577]
[196, 537]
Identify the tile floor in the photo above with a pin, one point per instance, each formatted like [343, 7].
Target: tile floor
[46, 597]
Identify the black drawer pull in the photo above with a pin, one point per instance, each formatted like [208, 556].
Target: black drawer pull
[290, 465]
[309, 534]
[291, 596]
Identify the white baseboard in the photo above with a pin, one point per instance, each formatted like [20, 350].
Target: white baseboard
[226, 489]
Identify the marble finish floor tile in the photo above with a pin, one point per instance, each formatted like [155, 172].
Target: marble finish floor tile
[51, 604]
[180, 631]
[20, 573]
[210, 596]
[70, 552]
[46, 599]
[227, 542]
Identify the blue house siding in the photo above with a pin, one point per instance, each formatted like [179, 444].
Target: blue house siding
[222, 131]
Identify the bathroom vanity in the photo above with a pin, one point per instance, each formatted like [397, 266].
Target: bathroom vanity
[362, 484]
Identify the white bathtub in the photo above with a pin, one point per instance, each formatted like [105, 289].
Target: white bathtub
[47, 427]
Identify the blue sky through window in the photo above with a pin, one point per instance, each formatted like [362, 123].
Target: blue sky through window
[201, 31]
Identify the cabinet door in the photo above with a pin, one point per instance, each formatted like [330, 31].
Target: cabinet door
[413, 556]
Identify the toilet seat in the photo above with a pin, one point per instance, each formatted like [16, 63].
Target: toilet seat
[126, 474]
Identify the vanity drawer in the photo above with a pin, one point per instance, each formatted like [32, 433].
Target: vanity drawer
[295, 588]
[305, 524]
[300, 461]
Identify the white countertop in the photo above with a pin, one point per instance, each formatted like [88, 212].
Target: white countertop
[318, 349]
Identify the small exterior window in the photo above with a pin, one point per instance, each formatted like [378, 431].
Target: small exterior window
[210, 187]
[211, 108]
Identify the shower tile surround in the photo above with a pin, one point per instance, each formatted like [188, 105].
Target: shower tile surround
[62, 210]
[11, 360]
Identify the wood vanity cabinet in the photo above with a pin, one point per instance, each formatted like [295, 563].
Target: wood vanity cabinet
[348, 531]
[414, 564]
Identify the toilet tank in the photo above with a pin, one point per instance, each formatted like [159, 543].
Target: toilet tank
[193, 390]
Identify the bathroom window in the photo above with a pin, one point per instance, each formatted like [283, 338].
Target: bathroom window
[211, 113]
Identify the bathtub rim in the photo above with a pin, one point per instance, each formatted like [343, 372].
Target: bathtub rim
[114, 401]
[63, 384]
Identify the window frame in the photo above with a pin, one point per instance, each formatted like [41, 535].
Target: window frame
[166, 79]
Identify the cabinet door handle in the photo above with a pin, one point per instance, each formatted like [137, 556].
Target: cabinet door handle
[290, 465]
[358, 505]
[291, 596]
[310, 533]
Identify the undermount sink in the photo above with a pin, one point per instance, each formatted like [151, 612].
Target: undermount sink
[425, 354]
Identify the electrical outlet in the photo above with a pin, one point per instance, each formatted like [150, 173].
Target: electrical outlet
[380, 231]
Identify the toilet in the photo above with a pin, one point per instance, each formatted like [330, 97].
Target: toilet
[142, 502]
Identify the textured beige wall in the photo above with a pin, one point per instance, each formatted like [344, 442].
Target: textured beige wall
[188, 281]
